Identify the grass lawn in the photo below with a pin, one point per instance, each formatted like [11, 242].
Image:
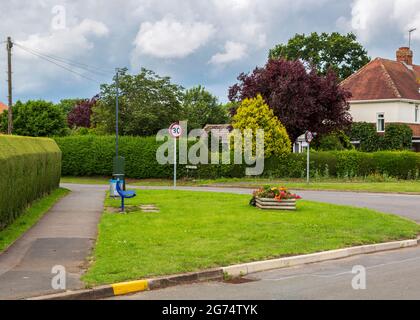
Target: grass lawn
[199, 230]
[31, 216]
[394, 186]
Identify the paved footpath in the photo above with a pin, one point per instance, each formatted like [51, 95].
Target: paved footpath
[64, 236]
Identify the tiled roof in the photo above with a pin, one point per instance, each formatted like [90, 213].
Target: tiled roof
[3, 107]
[384, 79]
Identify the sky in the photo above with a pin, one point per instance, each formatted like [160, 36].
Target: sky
[206, 42]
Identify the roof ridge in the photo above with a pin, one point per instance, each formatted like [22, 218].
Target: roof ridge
[391, 81]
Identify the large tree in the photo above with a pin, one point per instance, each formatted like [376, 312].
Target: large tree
[36, 118]
[342, 53]
[201, 108]
[301, 99]
[147, 104]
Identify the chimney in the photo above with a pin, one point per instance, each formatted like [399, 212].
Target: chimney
[404, 54]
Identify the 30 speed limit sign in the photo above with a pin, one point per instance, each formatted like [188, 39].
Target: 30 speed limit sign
[175, 130]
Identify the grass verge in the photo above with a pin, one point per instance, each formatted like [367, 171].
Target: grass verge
[28, 218]
[356, 184]
[199, 230]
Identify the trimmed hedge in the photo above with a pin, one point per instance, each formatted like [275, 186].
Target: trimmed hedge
[29, 169]
[93, 156]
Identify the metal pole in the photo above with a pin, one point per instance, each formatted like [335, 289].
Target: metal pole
[9, 81]
[174, 162]
[307, 164]
[116, 115]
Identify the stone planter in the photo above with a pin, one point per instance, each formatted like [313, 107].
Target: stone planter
[273, 204]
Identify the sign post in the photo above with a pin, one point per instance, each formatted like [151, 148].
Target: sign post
[175, 130]
[309, 136]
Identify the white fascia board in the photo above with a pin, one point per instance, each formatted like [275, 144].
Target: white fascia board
[384, 100]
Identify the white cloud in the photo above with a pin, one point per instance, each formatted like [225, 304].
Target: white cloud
[372, 18]
[233, 51]
[169, 38]
[71, 43]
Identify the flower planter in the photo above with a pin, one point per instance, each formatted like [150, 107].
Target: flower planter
[273, 204]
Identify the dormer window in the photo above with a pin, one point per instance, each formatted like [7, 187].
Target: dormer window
[380, 122]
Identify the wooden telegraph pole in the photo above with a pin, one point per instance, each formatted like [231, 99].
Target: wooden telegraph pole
[9, 81]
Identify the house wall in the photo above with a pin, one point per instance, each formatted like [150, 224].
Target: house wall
[395, 112]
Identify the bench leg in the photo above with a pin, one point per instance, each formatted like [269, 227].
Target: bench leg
[122, 204]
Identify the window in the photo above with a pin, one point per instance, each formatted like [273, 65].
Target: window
[380, 122]
[416, 114]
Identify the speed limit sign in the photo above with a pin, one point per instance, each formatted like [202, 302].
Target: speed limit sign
[175, 130]
[309, 136]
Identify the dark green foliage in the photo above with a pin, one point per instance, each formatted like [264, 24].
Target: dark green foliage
[30, 168]
[147, 103]
[342, 53]
[366, 133]
[36, 118]
[398, 137]
[93, 156]
[200, 107]
[334, 141]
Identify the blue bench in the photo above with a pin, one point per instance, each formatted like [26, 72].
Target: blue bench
[124, 194]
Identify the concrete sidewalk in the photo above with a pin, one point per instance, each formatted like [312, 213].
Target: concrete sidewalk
[64, 236]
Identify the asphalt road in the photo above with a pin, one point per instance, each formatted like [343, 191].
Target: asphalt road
[389, 275]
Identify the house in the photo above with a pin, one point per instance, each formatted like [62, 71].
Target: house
[387, 91]
[3, 107]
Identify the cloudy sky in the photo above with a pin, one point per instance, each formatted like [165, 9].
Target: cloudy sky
[206, 42]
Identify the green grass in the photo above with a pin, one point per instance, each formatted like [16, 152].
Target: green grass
[31, 216]
[199, 230]
[355, 184]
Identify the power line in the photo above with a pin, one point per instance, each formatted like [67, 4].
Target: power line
[86, 67]
[56, 63]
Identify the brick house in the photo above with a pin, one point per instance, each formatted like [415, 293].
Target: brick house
[387, 91]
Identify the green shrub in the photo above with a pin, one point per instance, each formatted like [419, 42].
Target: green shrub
[93, 155]
[334, 141]
[398, 136]
[29, 169]
[366, 133]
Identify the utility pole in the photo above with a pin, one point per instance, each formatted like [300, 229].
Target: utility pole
[9, 80]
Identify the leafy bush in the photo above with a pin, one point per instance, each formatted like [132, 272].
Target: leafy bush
[36, 119]
[366, 133]
[255, 114]
[93, 155]
[30, 168]
[333, 141]
[398, 136]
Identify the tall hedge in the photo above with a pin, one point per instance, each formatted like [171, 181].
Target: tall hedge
[93, 155]
[29, 169]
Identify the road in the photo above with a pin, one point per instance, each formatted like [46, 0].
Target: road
[389, 275]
